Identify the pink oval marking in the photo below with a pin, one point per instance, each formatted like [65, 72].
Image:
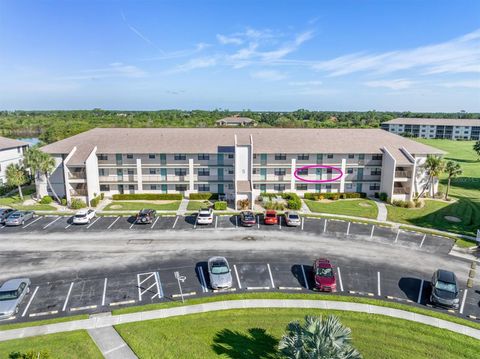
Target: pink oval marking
[336, 169]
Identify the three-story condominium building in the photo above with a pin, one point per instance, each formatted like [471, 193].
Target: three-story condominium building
[11, 152]
[453, 129]
[238, 163]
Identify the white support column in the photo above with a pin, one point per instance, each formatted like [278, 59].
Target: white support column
[191, 176]
[342, 180]
[139, 176]
[292, 179]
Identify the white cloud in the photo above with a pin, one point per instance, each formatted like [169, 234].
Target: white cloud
[269, 75]
[226, 40]
[197, 63]
[305, 83]
[455, 56]
[115, 69]
[465, 83]
[396, 84]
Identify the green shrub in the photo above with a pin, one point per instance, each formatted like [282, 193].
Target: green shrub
[76, 203]
[269, 195]
[95, 201]
[315, 196]
[411, 204]
[293, 200]
[203, 195]
[383, 196]
[278, 206]
[220, 206]
[148, 196]
[102, 196]
[46, 200]
[63, 201]
[243, 204]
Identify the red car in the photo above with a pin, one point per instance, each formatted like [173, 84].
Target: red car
[270, 217]
[325, 280]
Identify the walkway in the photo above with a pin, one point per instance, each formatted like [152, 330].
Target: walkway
[108, 321]
[183, 207]
[305, 208]
[382, 210]
[111, 343]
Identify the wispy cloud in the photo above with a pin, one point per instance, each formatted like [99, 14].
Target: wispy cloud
[115, 69]
[137, 32]
[465, 83]
[226, 40]
[196, 63]
[268, 75]
[395, 84]
[460, 55]
[305, 83]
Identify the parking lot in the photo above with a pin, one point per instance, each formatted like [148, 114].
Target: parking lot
[105, 293]
[320, 226]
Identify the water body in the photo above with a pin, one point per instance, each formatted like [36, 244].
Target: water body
[32, 141]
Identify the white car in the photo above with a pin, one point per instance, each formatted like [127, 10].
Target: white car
[205, 216]
[292, 219]
[84, 216]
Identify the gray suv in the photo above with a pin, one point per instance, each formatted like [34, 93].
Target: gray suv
[444, 289]
[12, 293]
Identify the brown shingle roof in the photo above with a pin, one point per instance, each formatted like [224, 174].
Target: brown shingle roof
[434, 121]
[265, 140]
[10, 143]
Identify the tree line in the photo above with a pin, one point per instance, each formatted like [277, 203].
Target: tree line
[51, 126]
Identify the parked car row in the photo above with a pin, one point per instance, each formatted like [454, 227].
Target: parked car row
[12, 217]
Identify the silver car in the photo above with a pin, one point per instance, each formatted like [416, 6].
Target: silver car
[19, 218]
[292, 219]
[12, 293]
[4, 213]
[220, 273]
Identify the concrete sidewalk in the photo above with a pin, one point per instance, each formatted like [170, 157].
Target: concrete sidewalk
[108, 321]
[382, 210]
[111, 343]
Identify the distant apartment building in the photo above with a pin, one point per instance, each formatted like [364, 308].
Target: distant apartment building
[235, 121]
[452, 129]
[11, 152]
[238, 163]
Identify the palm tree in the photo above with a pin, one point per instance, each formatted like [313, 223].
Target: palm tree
[476, 148]
[433, 166]
[16, 177]
[319, 338]
[46, 166]
[32, 159]
[452, 169]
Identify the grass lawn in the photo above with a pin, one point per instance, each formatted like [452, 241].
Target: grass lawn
[15, 201]
[71, 345]
[254, 333]
[138, 205]
[349, 207]
[196, 205]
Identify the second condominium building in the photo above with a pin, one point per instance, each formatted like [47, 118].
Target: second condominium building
[236, 163]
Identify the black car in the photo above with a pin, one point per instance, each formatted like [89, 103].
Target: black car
[247, 219]
[444, 289]
[4, 213]
[146, 216]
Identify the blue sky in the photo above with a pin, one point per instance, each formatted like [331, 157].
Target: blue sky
[260, 55]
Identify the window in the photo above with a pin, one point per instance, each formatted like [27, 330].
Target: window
[102, 157]
[131, 187]
[376, 157]
[180, 157]
[230, 186]
[204, 188]
[204, 172]
[328, 187]
[131, 172]
[129, 156]
[349, 171]
[361, 156]
[151, 156]
[180, 187]
[203, 157]
[280, 157]
[329, 171]
[280, 171]
[351, 155]
[102, 172]
[230, 155]
[348, 186]
[301, 187]
[376, 172]
[303, 157]
[302, 172]
[255, 171]
[152, 171]
[374, 186]
[330, 156]
[180, 171]
[104, 187]
[230, 171]
[153, 187]
[279, 187]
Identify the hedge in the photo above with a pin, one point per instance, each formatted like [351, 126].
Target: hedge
[148, 196]
[94, 202]
[203, 196]
[220, 206]
[77, 203]
[46, 200]
[293, 200]
[333, 195]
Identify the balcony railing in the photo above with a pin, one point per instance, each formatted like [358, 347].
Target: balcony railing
[78, 192]
[401, 190]
[404, 174]
[77, 175]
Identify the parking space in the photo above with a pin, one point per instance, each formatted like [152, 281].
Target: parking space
[121, 290]
[315, 225]
[185, 222]
[437, 244]
[411, 238]
[360, 280]
[149, 287]
[228, 222]
[86, 295]
[360, 229]
[407, 286]
[292, 276]
[191, 284]
[336, 226]
[470, 303]
[385, 234]
[163, 223]
[50, 298]
[254, 276]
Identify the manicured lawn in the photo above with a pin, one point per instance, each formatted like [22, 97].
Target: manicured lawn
[71, 345]
[15, 201]
[138, 205]
[254, 333]
[196, 205]
[349, 207]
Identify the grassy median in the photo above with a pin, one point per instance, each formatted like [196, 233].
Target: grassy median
[348, 207]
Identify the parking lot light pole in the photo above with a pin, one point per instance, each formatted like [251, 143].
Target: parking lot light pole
[180, 280]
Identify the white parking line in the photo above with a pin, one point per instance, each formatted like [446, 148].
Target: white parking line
[325, 226]
[123, 302]
[463, 301]
[216, 221]
[68, 296]
[155, 284]
[30, 301]
[196, 220]
[305, 278]
[134, 223]
[271, 276]
[258, 221]
[159, 286]
[396, 237]
[238, 278]
[52, 222]
[76, 309]
[92, 223]
[115, 221]
[423, 240]
[104, 291]
[280, 222]
[348, 228]
[35, 220]
[236, 223]
[378, 284]
[340, 279]
[43, 313]
[303, 220]
[202, 279]
[420, 292]
[175, 223]
[371, 233]
[154, 223]
[68, 226]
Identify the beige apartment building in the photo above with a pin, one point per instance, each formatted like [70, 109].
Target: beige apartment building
[237, 163]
